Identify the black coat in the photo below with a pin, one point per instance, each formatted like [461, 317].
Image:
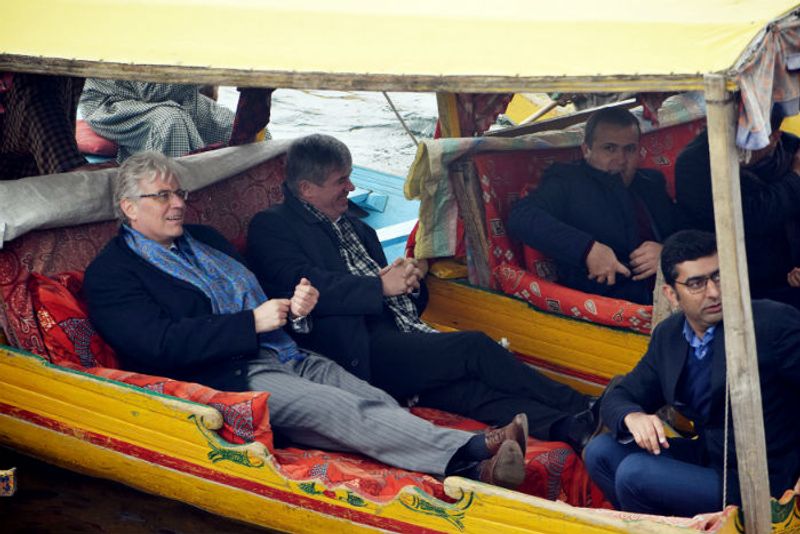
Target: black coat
[576, 204]
[160, 325]
[286, 243]
[652, 384]
[770, 200]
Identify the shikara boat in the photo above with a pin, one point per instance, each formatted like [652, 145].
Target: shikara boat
[212, 452]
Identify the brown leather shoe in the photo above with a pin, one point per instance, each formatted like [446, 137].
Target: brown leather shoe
[516, 430]
[506, 468]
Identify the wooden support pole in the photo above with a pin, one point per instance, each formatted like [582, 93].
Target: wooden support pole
[661, 306]
[740, 342]
[448, 115]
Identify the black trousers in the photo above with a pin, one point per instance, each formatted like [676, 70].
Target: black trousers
[469, 374]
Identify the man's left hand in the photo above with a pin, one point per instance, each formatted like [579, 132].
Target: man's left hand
[304, 299]
[414, 274]
[644, 260]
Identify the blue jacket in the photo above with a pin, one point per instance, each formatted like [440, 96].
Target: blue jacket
[160, 325]
[652, 384]
[576, 204]
[286, 243]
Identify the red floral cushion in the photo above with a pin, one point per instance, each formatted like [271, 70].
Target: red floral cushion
[91, 143]
[67, 333]
[355, 472]
[563, 300]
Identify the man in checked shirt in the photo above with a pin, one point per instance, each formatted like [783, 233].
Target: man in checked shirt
[367, 317]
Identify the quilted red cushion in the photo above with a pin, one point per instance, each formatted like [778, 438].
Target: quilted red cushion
[555, 298]
[64, 323]
[91, 143]
[245, 415]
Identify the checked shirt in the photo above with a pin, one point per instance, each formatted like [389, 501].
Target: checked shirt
[360, 263]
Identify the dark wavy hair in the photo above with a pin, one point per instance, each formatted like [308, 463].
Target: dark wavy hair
[686, 245]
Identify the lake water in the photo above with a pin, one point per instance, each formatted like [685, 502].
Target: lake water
[362, 120]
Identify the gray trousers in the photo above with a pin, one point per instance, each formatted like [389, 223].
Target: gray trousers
[316, 403]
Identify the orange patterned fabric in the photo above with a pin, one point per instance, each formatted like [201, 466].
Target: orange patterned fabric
[355, 472]
[63, 320]
[507, 176]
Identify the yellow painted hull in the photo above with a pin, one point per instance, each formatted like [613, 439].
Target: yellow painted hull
[168, 447]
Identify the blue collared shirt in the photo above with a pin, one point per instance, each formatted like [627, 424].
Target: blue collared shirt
[700, 347]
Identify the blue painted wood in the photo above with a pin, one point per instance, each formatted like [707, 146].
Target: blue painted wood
[386, 205]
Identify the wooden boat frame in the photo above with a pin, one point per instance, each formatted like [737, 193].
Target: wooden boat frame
[24, 428]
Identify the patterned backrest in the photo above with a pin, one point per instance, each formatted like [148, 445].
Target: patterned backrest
[227, 205]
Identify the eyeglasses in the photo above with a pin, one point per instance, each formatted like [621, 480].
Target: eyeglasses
[698, 284]
[164, 195]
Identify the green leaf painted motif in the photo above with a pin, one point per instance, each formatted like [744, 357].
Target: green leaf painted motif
[452, 514]
[219, 452]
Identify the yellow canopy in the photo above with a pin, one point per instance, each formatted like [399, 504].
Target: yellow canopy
[455, 45]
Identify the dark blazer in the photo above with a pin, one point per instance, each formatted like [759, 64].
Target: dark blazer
[286, 243]
[770, 199]
[652, 384]
[576, 204]
[164, 326]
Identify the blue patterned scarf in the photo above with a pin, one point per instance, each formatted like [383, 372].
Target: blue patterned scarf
[228, 284]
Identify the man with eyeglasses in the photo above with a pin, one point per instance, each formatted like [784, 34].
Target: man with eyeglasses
[178, 301]
[641, 470]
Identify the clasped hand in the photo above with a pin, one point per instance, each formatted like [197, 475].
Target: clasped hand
[273, 314]
[400, 277]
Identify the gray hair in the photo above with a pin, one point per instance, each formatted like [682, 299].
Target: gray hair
[313, 157]
[141, 167]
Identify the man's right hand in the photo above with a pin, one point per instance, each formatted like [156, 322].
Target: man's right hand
[793, 278]
[271, 315]
[647, 431]
[400, 277]
[603, 265]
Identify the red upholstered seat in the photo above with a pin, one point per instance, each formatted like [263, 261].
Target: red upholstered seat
[505, 176]
[41, 312]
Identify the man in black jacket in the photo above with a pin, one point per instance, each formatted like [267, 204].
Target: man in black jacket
[179, 301]
[636, 466]
[602, 220]
[770, 184]
[367, 317]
